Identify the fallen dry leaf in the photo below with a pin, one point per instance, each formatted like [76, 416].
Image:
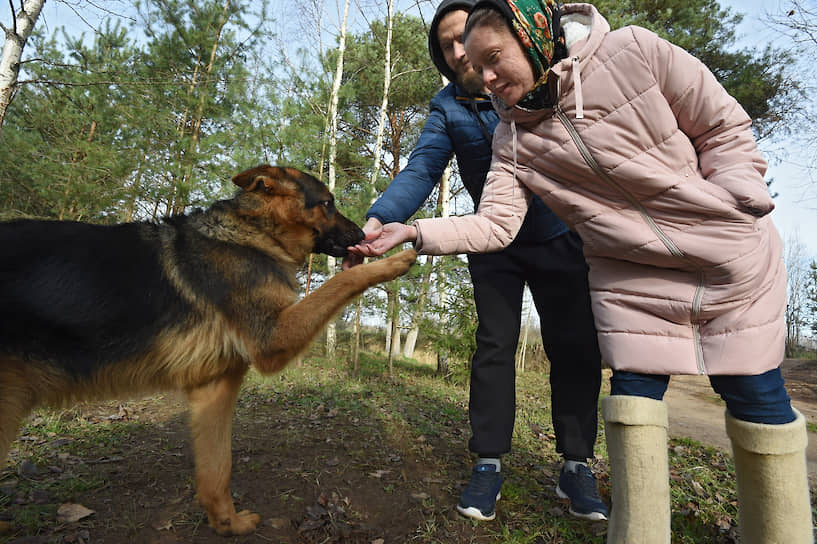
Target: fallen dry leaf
[277, 523]
[72, 513]
[162, 525]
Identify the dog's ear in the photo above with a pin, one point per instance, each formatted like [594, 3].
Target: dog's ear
[264, 174]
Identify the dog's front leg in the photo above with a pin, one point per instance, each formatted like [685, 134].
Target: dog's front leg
[211, 411]
[298, 324]
[16, 401]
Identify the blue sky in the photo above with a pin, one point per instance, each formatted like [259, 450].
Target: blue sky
[796, 205]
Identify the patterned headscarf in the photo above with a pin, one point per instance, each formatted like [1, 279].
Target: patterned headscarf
[535, 22]
[534, 25]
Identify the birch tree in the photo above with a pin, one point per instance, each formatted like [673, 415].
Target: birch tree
[393, 292]
[811, 296]
[527, 312]
[22, 26]
[797, 285]
[445, 211]
[384, 103]
[419, 309]
[393, 330]
[333, 149]
[388, 82]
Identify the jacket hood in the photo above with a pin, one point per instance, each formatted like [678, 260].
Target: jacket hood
[434, 49]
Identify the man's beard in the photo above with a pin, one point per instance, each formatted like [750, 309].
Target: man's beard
[471, 81]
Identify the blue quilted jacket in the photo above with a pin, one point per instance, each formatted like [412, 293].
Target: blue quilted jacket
[462, 125]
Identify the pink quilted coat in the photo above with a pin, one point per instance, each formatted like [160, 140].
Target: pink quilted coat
[650, 160]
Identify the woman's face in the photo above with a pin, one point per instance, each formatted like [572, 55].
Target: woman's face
[498, 56]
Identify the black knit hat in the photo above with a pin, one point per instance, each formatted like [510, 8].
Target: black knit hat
[434, 49]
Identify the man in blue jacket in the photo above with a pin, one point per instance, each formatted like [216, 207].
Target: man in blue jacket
[545, 255]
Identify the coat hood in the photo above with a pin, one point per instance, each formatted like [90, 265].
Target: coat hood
[434, 49]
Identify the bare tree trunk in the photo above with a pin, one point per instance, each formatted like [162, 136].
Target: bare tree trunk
[16, 37]
[394, 292]
[527, 309]
[389, 303]
[796, 271]
[331, 330]
[384, 104]
[442, 364]
[419, 308]
[394, 349]
[394, 345]
[444, 203]
[356, 347]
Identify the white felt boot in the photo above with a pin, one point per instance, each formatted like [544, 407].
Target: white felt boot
[773, 495]
[636, 430]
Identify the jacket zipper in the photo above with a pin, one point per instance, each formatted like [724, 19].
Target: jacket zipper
[666, 240]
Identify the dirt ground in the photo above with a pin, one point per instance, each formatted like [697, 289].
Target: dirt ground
[315, 475]
[696, 412]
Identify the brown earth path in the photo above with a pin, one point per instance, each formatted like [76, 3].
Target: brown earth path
[696, 412]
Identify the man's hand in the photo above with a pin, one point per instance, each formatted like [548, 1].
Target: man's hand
[389, 236]
[371, 230]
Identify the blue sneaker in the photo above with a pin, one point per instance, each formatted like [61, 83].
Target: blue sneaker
[478, 501]
[581, 490]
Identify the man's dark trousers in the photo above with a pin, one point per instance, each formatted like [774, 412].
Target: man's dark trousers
[556, 273]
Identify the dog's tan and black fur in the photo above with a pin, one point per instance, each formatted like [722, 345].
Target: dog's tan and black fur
[90, 312]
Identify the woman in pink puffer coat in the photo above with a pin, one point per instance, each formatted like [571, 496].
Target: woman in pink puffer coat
[635, 145]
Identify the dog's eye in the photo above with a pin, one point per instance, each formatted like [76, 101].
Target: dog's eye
[327, 204]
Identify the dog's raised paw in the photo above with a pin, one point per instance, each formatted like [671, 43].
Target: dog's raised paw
[399, 263]
[386, 269]
[407, 257]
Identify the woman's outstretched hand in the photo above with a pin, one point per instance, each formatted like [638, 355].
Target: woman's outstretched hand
[379, 241]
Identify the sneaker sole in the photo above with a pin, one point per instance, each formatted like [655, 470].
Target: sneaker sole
[592, 516]
[474, 512]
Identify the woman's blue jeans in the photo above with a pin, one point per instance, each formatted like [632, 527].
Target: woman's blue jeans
[758, 399]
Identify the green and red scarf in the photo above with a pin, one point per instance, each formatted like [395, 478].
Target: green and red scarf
[536, 22]
[533, 23]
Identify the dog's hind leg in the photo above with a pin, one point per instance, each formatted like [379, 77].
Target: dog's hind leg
[298, 324]
[16, 401]
[211, 411]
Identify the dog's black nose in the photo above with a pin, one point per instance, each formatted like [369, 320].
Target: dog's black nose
[358, 236]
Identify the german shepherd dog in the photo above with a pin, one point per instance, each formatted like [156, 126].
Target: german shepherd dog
[189, 303]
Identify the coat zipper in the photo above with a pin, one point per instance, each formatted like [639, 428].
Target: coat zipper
[666, 240]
